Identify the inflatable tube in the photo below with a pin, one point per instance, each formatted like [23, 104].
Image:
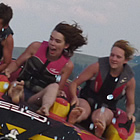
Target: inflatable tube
[121, 128]
[20, 122]
[4, 84]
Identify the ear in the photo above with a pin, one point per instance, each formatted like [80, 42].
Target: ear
[125, 61]
[66, 46]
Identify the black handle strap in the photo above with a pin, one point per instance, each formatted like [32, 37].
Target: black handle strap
[127, 125]
[45, 65]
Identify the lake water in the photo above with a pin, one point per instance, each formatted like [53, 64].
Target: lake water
[137, 136]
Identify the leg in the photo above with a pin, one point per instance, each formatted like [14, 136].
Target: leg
[47, 97]
[101, 118]
[80, 113]
[16, 91]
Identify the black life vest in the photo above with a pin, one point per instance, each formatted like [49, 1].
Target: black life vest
[36, 76]
[3, 35]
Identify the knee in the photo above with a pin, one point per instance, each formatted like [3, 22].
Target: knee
[86, 107]
[53, 85]
[102, 115]
[85, 116]
[86, 113]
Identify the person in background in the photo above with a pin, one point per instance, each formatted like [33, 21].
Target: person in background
[47, 66]
[107, 81]
[6, 36]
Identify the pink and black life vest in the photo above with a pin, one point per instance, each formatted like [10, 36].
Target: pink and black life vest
[38, 72]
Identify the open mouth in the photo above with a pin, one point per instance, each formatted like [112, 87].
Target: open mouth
[52, 50]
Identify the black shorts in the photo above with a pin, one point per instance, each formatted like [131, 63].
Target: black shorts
[87, 94]
[94, 101]
[27, 94]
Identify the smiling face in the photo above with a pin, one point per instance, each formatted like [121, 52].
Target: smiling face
[117, 58]
[56, 44]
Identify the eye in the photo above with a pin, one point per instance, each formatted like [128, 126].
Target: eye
[51, 38]
[112, 54]
[58, 41]
[118, 56]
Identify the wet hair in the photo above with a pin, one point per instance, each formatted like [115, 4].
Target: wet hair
[6, 13]
[126, 46]
[72, 36]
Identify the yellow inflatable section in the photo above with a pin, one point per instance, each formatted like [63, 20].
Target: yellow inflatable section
[112, 134]
[60, 108]
[4, 84]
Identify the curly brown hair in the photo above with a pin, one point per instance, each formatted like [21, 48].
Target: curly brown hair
[72, 36]
[6, 13]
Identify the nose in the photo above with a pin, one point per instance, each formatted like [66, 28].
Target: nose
[114, 58]
[52, 42]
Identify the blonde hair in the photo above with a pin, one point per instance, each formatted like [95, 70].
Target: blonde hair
[126, 46]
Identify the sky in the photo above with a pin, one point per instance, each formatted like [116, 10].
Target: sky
[102, 21]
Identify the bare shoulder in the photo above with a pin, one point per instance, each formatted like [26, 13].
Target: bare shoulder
[68, 67]
[9, 38]
[131, 82]
[130, 90]
[29, 52]
[94, 65]
[8, 41]
[70, 64]
[33, 47]
[87, 73]
[93, 68]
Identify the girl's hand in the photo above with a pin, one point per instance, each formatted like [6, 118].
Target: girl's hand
[131, 117]
[7, 73]
[62, 94]
[75, 101]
